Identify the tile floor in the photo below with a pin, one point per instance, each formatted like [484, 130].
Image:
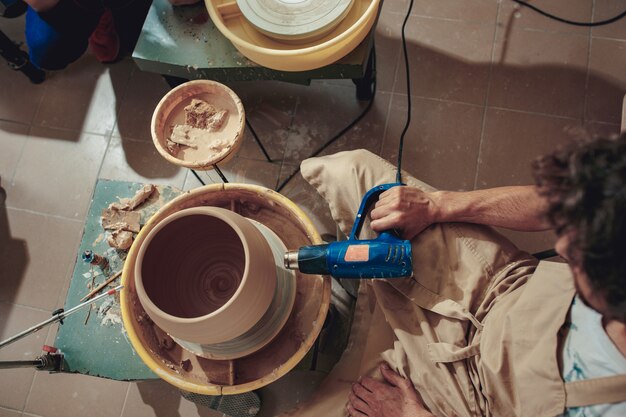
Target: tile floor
[493, 86]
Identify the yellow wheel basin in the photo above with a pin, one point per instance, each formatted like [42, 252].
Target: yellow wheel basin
[291, 56]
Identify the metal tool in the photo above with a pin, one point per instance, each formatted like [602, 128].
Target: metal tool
[387, 256]
[52, 361]
[58, 315]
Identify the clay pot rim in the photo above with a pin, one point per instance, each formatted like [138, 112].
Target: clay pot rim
[171, 95]
[166, 221]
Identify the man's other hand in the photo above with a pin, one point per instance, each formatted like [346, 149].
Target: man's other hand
[394, 398]
[404, 208]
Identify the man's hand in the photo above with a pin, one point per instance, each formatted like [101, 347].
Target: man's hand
[405, 208]
[396, 398]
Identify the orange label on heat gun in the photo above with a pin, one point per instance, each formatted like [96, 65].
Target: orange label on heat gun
[357, 253]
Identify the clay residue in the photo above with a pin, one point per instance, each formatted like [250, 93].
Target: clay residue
[120, 220]
[186, 135]
[132, 203]
[203, 115]
[201, 119]
[120, 239]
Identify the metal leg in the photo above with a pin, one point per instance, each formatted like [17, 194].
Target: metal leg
[18, 60]
[258, 141]
[198, 177]
[364, 91]
[219, 172]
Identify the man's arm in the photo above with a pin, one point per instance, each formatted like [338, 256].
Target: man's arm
[411, 210]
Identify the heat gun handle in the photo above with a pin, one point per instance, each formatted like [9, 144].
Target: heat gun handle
[366, 203]
[383, 257]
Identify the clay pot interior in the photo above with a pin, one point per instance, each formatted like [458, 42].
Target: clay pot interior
[188, 271]
[170, 112]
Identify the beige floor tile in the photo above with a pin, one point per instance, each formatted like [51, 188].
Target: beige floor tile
[513, 15]
[14, 29]
[139, 161]
[4, 412]
[324, 110]
[477, 11]
[37, 254]
[144, 92]
[239, 170]
[288, 392]
[449, 60]
[539, 72]
[249, 171]
[602, 129]
[83, 97]
[269, 107]
[12, 139]
[606, 9]
[57, 172]
[388, 50]
[367, 133]
[306, 197]
[15, 383]
[62, 395]
[20, 98]
[441, 145]
[251, 150]
[512, 140]
[607, 80]
[158, 398]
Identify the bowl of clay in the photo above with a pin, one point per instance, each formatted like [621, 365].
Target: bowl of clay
[198, 124]
[213, 280]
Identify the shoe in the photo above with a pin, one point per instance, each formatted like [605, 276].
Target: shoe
[104, 41]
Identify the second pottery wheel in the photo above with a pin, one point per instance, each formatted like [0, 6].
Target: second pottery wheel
[295, 20]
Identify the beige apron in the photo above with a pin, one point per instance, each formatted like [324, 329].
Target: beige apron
[475, 329]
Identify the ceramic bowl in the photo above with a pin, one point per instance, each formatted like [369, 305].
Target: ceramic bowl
[170, 112]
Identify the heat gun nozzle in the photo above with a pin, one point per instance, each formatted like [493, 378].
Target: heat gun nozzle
[291, 259]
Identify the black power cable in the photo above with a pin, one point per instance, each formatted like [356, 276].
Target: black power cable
[408, 94]
[342, 131]
[571, 22]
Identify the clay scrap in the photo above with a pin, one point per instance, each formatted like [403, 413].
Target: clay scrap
[201, 118]
[132, 203]
[121, 221]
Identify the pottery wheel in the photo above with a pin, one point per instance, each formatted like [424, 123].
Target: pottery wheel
[194, 373]
[294, 19]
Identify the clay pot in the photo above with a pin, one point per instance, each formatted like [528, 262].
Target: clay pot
[206, 275]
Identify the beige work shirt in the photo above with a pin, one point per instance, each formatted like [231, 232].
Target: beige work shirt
[476, 327]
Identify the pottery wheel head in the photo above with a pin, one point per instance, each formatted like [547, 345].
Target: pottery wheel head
[294, 17]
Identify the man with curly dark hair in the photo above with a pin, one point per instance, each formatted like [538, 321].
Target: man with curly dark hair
[483, 328]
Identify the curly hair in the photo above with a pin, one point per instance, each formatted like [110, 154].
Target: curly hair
[584, 185]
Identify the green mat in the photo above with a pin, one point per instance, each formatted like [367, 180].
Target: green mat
[101, 347]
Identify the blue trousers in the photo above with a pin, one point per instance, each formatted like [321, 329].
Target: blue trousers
[60, 36]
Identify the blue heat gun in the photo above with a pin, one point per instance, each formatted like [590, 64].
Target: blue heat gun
[387, 256]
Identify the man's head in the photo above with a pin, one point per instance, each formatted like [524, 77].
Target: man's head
[585, 187]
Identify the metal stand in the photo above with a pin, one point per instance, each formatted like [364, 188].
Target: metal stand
[258, 141]
[18, 60]
[364, 85]
[51, 361]
[219, 172]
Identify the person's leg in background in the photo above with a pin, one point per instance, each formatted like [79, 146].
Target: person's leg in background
[59, 36]
[128, 17]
